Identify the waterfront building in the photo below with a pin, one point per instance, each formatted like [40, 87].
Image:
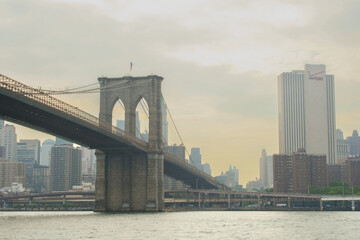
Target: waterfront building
[354, 144]
[266, 169]
[230, 178]
[11, 172]
[298, 171]
[28, 152]
[306, 106]
[256, 184]
[45, 152]
[40, 179]
[334, 172]
[65, 167]
[8, 140]
[342, 145]
[350, 170]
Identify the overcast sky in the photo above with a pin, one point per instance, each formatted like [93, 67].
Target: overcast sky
[219, 59]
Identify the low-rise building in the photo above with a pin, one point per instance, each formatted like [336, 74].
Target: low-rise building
[11, 172]
[298, 171]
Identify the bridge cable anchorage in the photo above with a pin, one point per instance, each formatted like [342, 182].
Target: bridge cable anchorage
[177, 131]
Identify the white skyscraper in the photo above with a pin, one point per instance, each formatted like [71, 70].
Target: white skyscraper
[306, 105]
[45, 152]
[266, 169]
[8, 140]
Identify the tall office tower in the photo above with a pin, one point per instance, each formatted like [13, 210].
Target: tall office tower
[354, 144]
[266, 169]
[45, 152]
[8, 140]
[11, 172]
[177, 150]
[65, 167]
[28, 151]
[195, 158]
[120, 124]
[342, 146]
[165, 124]
[306, 106]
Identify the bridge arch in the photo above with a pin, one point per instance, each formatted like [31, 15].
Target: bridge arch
[118, 114]
[131, 90]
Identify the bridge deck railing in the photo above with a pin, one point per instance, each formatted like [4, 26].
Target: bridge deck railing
[40, 96]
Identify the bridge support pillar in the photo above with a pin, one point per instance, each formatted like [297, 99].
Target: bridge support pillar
[353, 205]
[129, 182]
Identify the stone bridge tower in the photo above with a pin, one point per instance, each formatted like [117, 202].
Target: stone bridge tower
[128, 180]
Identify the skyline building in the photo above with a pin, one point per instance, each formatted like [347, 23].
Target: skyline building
[45, 152]
[206, 168]
[354, 144]
[8, 139]
[195, 158]
[266, 169]
[11, 172]
[28, 152]
[306, 107]
[87, 160]
[230, 178]
[65, 167]
[298, 171]
[2, 123]
[177, 150]
[342, 145]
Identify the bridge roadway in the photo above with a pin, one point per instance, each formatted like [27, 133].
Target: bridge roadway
[33, 108]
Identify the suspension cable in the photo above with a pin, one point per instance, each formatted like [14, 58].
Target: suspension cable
[177, 131]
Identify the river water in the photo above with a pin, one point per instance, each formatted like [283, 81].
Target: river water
[180, 225]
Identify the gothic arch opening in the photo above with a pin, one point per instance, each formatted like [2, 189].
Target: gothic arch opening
[142, 120]
[118, 114]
